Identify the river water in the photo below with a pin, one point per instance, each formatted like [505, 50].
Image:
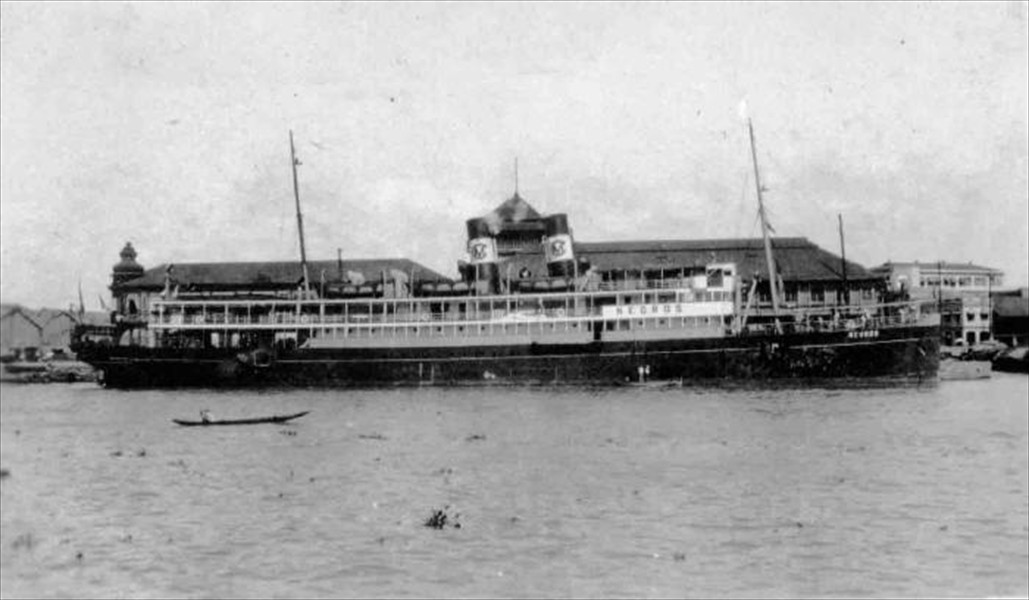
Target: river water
[559, 492]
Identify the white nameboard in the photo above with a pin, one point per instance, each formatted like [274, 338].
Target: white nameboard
[670, 309]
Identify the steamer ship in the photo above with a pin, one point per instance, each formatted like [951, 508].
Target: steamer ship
[532, 306]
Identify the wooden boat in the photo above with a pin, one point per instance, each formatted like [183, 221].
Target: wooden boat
[253, 421]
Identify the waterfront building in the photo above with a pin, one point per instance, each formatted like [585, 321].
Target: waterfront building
[964, 292]
[30, 332]
[514, 249]
[135, 289]
[19, 331]
[531, 247]
[1011, 317]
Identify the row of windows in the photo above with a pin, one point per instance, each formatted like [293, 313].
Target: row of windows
[959, 281]
[525, 328]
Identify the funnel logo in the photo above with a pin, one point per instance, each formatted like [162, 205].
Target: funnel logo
[481, 250]
[559, 247]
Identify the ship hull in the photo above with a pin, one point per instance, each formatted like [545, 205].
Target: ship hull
[907, 353]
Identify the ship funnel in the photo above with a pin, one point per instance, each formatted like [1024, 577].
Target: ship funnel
[482, 252]
[558, 246]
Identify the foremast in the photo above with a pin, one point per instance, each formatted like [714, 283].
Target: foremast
[773, 276]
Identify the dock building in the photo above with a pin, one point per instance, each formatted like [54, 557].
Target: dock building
[516, 249]
[965, 293]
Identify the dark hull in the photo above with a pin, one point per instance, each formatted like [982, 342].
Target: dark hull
[1011, 364]
[276, 419]
[910, 353]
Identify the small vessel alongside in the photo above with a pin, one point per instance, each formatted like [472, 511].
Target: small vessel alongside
[1015, 360]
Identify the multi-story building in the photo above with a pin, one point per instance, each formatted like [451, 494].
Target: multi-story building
[964, 291]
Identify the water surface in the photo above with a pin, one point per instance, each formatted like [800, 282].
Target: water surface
[560, 492]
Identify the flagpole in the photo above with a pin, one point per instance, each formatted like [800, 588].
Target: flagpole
[843, 264]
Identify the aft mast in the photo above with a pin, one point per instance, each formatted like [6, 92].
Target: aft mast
[773, 276]
[300, 218]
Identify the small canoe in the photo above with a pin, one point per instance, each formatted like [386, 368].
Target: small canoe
[254, 421]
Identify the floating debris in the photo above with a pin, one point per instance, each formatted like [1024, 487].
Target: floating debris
[289, 432]
[4, 473]
[475, 438]
[372, 436]
[441, 518]
[24, 540]
[141, 453]
[679, 556]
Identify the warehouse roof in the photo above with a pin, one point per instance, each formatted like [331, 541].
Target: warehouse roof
[274, 275]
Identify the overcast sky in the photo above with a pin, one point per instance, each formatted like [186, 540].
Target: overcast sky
[167, 125]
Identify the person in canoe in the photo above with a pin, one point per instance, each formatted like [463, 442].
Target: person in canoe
[205, 415]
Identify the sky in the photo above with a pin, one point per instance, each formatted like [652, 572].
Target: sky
[167, 125]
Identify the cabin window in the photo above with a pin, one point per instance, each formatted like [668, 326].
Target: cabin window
[818, 294]
[609, 325]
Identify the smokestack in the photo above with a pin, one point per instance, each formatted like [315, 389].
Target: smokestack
[482, 252]
[558, 246]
